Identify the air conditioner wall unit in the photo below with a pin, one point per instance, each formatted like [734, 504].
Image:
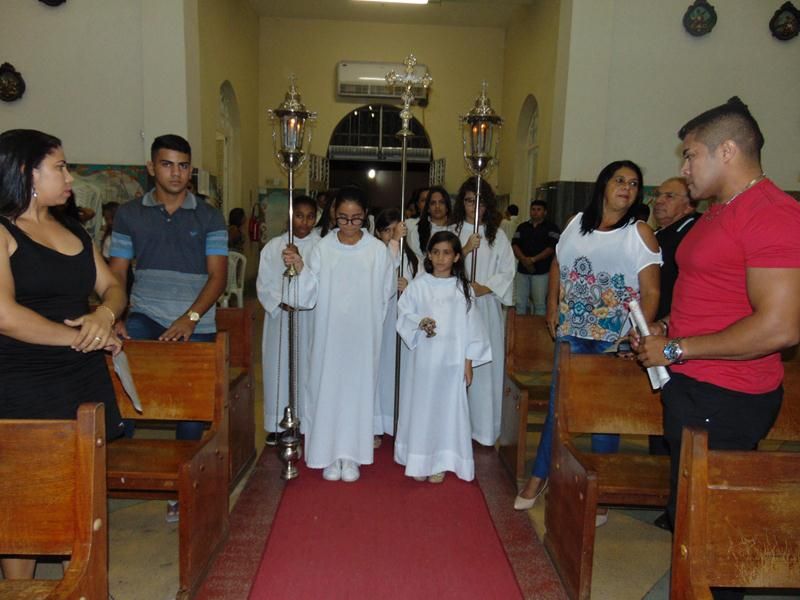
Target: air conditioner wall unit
[358, 79]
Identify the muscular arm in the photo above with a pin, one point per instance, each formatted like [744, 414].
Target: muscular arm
[773, 325]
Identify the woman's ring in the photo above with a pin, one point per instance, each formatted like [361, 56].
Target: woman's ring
[98, 339]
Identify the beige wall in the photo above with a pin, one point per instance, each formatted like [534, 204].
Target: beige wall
[458, 58]
[82, 63]
[530, 61]
[634, 76]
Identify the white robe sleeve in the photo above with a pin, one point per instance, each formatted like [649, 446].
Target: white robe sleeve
[408, 317]
[505, 267]
[270, 274]
[389, 280]
[307, 281]
[479, 349]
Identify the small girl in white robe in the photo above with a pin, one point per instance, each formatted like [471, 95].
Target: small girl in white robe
[389, 229]
[441, 325]
[273, 293]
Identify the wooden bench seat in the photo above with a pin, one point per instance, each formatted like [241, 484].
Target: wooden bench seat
[53, 502]
[529, 366]
[738, 520]
[238, 324]
[179, 381]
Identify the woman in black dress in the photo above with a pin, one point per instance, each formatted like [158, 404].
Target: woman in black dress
[51, 345]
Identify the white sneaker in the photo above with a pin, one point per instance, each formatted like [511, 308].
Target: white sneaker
[333, 472]
[350, 472]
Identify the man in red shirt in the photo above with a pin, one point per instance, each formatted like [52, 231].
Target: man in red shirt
[736, 302]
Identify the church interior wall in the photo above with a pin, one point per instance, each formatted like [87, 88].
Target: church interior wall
[458, 59]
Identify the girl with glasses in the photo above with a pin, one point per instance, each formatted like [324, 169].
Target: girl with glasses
[349, 278]
[493, 284]
[441, 325]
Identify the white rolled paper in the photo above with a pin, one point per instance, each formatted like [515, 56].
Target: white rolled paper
[659, 376]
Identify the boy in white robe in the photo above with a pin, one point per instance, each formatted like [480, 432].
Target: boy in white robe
[273, 289]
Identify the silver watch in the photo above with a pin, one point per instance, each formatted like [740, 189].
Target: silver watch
[673, 351]
[193, 316]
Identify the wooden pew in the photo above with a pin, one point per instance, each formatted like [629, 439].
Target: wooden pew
[603, 394]
[179, 381]
[529, 366]
[738, 520]
[53, 502]
[600, 394]
[238, 323]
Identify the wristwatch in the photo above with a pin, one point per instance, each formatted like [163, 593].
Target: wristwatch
[673, 351]
[194, 316]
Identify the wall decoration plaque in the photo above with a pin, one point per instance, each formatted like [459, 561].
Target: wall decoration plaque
[12, 85]
[785, 23]
[700, 18]
[53, 2]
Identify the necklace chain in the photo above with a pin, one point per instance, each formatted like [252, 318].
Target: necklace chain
[753, 181]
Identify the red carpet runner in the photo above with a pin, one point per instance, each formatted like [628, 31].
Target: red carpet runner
[385, 536]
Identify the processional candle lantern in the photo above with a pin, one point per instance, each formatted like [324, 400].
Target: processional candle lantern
[480, 134]
[289, 135]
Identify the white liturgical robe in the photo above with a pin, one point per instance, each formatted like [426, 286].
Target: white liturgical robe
[350, 287]
[434, 433]
[495, 268]
[273, 289]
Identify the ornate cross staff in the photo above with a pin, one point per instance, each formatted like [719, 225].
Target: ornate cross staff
[289, 125]
[407, 81]
[480, 134]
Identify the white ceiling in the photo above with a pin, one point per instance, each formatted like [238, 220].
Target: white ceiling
[479, 13]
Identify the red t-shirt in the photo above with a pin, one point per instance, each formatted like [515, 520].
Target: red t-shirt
[759, 229]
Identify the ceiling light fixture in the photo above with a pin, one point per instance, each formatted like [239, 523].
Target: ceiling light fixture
[396, 1]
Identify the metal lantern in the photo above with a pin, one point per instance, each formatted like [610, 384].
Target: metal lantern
[480, 134]
[407, 81]
[289, 133]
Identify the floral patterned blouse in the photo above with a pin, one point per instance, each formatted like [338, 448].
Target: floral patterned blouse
[599, 277]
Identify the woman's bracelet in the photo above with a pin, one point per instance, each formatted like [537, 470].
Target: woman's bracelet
[113, 316]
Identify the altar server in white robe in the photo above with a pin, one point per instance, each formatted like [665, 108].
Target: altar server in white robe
[439, 321]
[390, 229]
[349, 278]
[435, 216]
[273, 293]
[493, 285]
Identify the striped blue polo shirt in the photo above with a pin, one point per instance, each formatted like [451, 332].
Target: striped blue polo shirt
[170, 253]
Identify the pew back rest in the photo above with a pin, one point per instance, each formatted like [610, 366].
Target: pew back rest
[738, 516]
[787, 425]
[600, 393]
[175, 381]
[51, 473]
[238, 324]
[529, 346]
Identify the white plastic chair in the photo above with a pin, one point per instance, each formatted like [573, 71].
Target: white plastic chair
[236, 267]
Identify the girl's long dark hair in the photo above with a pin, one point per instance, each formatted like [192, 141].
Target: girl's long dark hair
[21, 151]
[385, 218]
[424, 223]
[593, 213]
[325, 224]
[459, 271]
[491, 218]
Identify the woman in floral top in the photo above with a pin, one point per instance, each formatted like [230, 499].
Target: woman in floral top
[604, 259]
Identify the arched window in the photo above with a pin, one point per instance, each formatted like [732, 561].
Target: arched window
[369, 132]
[532, 154]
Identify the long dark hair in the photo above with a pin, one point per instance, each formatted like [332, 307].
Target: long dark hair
[384, 219]
[491, 218]
[21, 151]
[424, 223]
[325, 224]
[593, 213]
[459, 272]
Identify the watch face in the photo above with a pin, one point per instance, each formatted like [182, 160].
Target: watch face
[671, 351]
[194, 316]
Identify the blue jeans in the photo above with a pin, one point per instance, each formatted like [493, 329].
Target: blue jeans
[142, 327]
[527, 287]
[602, 443]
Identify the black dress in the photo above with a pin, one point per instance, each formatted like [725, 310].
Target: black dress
[50, 382]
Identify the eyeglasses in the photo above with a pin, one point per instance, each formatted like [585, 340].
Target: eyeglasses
[620, 181]
[668, 195]
[342, 220]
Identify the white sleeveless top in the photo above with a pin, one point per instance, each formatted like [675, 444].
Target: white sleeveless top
[599, 277]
